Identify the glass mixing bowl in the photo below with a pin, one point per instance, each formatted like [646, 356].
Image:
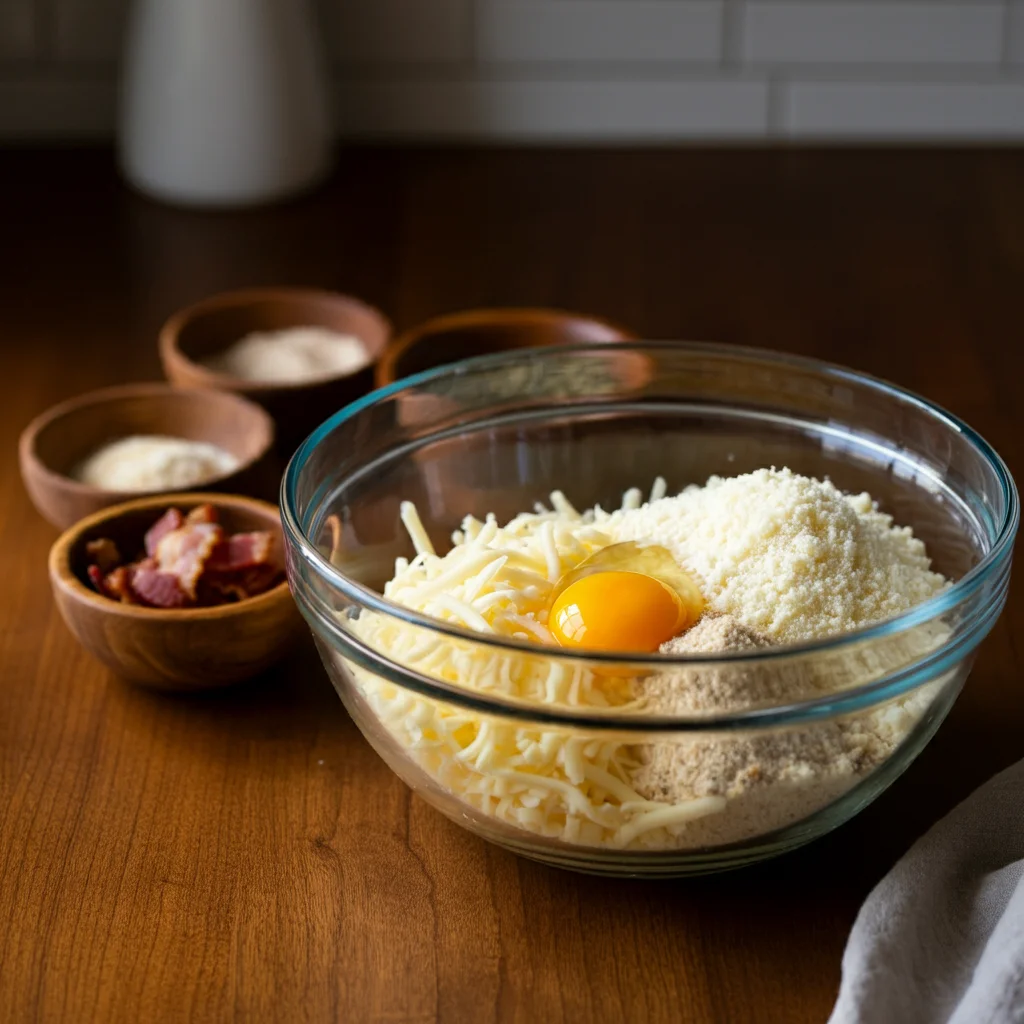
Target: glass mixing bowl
[577, 775]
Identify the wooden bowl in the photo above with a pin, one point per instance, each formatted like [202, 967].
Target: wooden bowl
[477, 332]
[168, 649]
[213, 324]
[55, 442]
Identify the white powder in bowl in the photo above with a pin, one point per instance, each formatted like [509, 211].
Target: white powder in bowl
[154, 463]
[290, 356]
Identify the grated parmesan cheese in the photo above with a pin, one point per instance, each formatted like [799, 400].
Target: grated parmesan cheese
[785, 556]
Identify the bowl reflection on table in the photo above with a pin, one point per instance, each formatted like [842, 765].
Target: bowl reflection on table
[684, 412]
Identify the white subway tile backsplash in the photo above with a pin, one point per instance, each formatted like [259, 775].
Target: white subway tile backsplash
[1015, 33]
[398, 31]
[89, 30]
[604, 30]
[914, 32]
[558, 110]
[574, 70]
[913, 110]
[17, 30]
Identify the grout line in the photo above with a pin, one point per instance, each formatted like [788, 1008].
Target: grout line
[74, 70]
[733, 15]
[1006, 55]
[648, 72]
[776, 94]
[472, 20]
[98, 120]
[43, 32]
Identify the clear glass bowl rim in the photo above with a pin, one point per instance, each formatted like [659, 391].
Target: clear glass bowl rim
[882, 689]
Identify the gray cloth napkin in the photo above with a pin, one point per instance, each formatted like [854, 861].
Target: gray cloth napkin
[941, 937]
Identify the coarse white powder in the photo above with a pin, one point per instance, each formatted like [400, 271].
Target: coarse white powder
[290, 356]
[789, 556]
[151, 462]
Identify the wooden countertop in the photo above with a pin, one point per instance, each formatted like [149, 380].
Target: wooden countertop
[246, 856]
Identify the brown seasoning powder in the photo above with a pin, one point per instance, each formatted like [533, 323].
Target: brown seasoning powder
[771, 779]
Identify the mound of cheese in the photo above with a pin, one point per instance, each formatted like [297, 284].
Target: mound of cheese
[787, 555]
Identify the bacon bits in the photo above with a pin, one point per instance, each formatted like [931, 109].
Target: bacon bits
[189, 562]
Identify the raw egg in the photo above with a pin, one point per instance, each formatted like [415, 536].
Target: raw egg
[624, 598]
[616, 611]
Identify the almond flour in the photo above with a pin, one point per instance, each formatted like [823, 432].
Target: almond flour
[770, 779]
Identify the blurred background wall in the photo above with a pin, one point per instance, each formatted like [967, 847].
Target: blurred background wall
[587, 70]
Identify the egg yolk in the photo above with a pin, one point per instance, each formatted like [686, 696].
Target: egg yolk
[616, 611]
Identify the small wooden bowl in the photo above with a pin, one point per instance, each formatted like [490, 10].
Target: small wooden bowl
[168, 649]
[213, 324]
[55, 442]
[477, 332]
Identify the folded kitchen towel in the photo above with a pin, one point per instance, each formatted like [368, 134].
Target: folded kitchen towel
[941, 937]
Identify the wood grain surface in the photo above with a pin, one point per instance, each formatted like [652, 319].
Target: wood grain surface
[245, 856]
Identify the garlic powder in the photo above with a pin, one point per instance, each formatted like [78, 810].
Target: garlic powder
[151, 462]
[290, 356]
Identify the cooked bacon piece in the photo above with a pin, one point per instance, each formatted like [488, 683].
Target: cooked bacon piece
[216, 587]
[117, 585]
[171, 520]
[159, 589]
[241, 551]
[202, 514]
[223, 592]
[183, 553]
[189, 560]
[103, 554]
[262, 578]
[97, 580]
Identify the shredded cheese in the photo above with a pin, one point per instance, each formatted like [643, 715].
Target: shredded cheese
[497, 580]
[417, 534]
